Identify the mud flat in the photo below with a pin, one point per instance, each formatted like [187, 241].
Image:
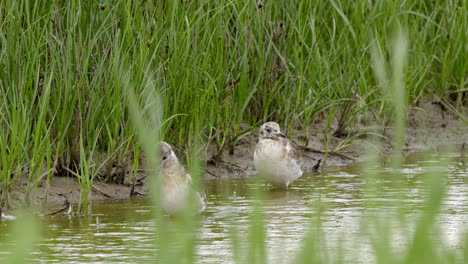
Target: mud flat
[429, 125]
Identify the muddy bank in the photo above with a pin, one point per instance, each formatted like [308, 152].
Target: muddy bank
[429, 126]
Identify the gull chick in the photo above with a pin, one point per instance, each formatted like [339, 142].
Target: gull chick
[275, 157]
[176, 184]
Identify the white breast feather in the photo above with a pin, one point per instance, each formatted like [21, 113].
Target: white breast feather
[176, 193]
[274, 161]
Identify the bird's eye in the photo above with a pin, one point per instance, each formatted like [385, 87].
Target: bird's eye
[268, 130]
[165, 158]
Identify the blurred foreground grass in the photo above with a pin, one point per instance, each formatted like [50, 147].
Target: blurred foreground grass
[70, 71]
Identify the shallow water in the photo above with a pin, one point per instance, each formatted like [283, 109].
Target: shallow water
[124, 231]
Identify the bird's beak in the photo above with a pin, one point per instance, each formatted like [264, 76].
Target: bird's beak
[282, 135]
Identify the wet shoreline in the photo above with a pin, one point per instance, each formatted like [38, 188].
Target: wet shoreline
[428, 127]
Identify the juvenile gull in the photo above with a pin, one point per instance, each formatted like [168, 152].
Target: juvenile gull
[275, 157]
[176, 184]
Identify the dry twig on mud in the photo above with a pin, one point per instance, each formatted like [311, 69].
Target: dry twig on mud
[93, 187]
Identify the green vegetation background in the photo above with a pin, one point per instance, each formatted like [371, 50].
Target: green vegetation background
[67, 67]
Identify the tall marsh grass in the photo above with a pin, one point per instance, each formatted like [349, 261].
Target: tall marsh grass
[65, 67]
[419, 234]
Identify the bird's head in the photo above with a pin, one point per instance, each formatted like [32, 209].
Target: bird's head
[165, 152]
[271, 130]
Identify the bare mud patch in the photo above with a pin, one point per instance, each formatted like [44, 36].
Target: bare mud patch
[429, 126]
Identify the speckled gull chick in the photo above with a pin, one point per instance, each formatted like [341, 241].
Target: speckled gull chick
[176, 184]
[275, 157]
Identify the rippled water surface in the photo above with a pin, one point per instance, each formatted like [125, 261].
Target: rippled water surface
[124, 231]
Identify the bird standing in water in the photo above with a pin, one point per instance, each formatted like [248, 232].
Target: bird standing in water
[275, 157]
[176, 184]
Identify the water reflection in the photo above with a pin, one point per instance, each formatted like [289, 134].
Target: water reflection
[124, 231]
